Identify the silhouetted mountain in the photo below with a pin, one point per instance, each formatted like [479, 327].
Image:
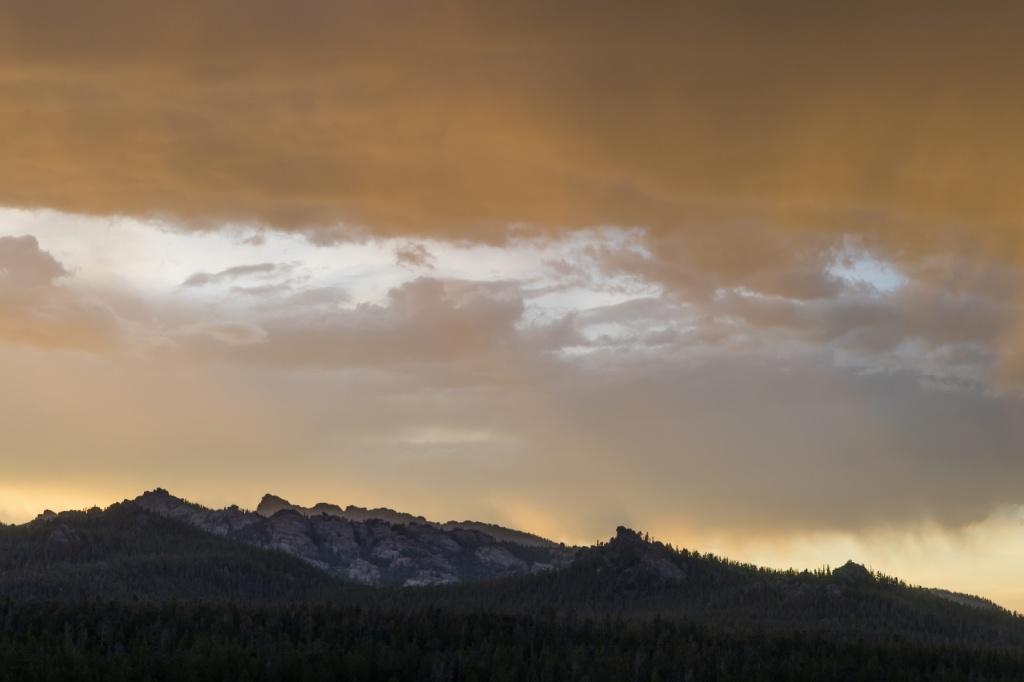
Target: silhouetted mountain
[369, 551]
[162, 537]
[163, 589]
[634, 575]
[271, 504]
[126, 552]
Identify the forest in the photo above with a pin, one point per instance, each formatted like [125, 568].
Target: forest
[324, 641]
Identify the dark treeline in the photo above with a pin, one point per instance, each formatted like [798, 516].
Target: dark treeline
[137, 641]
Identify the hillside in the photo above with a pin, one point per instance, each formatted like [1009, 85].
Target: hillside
[125, 552]
[641, 578]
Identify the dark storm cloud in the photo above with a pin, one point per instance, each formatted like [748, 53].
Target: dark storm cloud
[454, 122]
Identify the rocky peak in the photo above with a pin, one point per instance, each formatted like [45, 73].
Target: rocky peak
[629, 543]
[158, 499]
[633, 559]
[852, 572]
[271, 504]
[625, 535]
[326, 508]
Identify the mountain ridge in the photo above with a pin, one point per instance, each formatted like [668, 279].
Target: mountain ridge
[375, 552]
[370, 551]
[125, 594]
[140, 551]
[270, 504]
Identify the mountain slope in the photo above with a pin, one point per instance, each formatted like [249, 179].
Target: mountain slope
[631, 575]
[371, 551]
[161, 547]
[126, 552]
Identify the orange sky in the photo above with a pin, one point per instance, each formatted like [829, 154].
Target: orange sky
[744, 275]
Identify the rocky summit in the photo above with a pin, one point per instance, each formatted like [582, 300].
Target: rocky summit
[366, 549]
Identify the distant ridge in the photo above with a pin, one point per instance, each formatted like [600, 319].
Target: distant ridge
[369, 547]
[382, 547]
[160, 547]
[271, 504]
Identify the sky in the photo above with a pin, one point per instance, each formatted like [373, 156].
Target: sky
[745, 276]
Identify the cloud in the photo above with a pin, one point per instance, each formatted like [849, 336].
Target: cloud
[414, 255]
[745, 147]
[58, 321]
[199, 279]
[230, 333]
[263, 290]
[874, 323]
[35, 311]
[24, 264]
[469, 328]
[1011, 358]
[735, 411]
[943, 316]
[455, 124]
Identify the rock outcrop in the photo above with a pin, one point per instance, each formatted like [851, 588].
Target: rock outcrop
[633, 560]
[367, 549]
[852, 572]
[271, 504]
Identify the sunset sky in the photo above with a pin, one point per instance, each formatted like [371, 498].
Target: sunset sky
[747, 276]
